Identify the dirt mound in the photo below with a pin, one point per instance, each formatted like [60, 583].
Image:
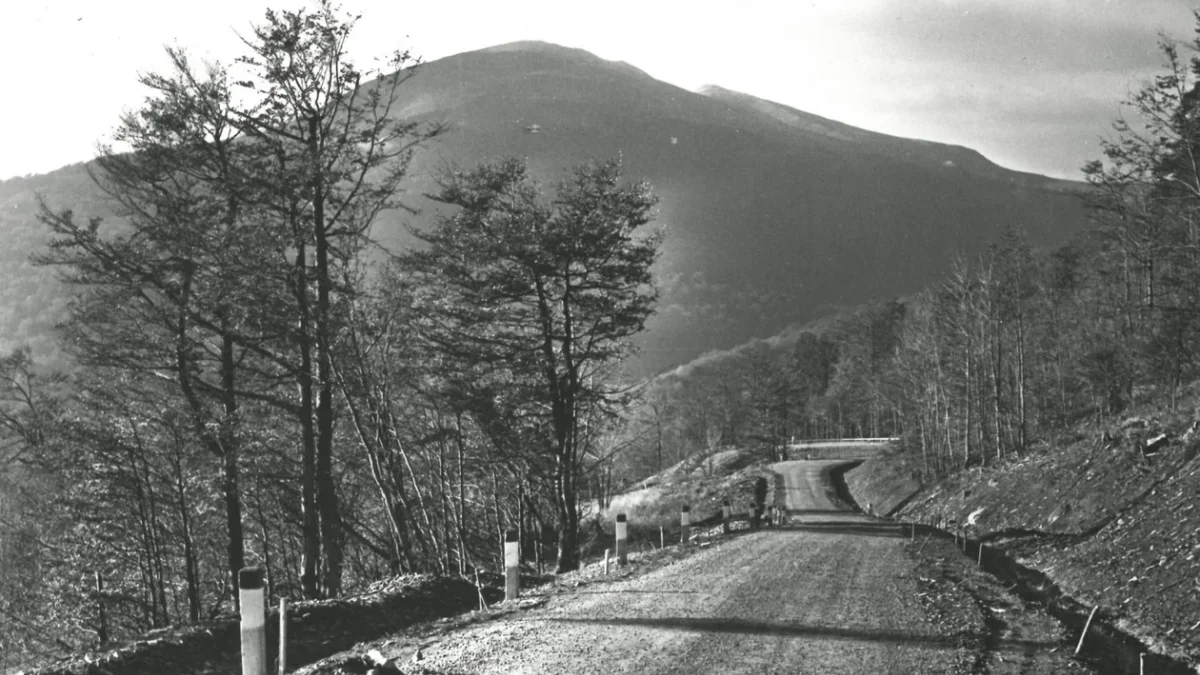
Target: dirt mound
[701, 483]
[715, 465]
[316, 629]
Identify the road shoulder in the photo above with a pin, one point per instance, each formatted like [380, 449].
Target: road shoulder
[1003, 633]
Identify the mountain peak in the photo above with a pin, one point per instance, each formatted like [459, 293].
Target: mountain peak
[543, 48]
[717, 91]
[539, 46]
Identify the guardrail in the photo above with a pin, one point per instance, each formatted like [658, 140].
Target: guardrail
[811, 441]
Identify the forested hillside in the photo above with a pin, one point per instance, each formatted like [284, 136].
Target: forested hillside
[252, 383]
[771, 216]
[31, 300]
[1007, 350]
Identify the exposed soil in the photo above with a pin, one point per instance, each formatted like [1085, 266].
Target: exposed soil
[1109, 523]
[1002, 632]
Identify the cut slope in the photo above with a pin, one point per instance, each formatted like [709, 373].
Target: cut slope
[1111, 526]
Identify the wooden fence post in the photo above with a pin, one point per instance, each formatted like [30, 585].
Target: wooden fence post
[512, 565]
[1086, 626]
[254, 621]
[103, 632]
[725, 516]
[685, 524]
[622, 535]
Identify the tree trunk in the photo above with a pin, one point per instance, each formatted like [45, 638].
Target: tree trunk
[568, 532]
[230, 451]
[311, 552]
[327, 500]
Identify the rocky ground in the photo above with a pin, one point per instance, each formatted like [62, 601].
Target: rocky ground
[832, 593]
[1108, 513]
[1000, 632]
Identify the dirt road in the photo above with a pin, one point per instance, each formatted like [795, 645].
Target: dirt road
[834, 592]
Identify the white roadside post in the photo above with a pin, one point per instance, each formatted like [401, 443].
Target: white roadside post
[254, 621]
[622, 535]
[282, 636]
[512, 566]
[685, 524]
[725, 516]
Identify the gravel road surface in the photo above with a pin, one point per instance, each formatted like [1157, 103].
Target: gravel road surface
[833, 592]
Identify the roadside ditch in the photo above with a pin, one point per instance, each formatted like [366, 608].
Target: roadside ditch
[1106, 648]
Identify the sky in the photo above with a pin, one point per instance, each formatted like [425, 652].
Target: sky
[1032, 84]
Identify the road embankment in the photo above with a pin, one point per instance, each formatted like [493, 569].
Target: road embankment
[1094, 523]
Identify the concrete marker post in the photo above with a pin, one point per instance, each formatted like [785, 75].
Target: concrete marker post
[725, 516]
[662, 537]
[622, 536]
[254, 621]
[282, 636]
[607, 554]
[980, 561]
[512, 566]
[685, 524]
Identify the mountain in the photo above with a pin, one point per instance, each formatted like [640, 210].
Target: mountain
[773, 215]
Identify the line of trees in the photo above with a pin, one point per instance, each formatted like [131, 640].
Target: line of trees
[1003, 352]
[256, 381]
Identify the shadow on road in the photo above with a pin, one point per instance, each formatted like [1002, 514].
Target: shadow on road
[852, 528]
[623, 592]
[819, 512]
[748, 627]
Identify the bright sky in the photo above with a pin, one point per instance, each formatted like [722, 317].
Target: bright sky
[1030, 83]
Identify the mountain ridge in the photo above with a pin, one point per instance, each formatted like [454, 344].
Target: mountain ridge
[767, 223]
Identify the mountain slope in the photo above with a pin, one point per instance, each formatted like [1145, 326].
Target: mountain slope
[773, 215]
